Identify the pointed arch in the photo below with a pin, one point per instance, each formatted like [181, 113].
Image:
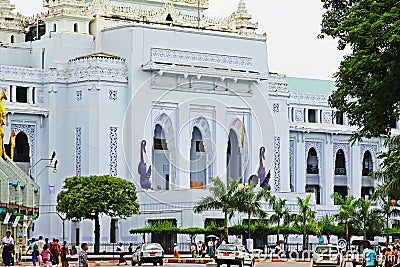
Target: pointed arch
[164, 153]
[236, 125]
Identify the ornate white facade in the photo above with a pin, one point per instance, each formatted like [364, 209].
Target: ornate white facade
[109, 74]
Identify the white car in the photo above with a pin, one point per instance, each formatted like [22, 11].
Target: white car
[231, 254]
[327, 255]
[148, 253]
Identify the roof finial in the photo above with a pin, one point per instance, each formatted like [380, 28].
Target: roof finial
[242, 7]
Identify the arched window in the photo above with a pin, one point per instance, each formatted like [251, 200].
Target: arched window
[12, 39]
[21, 152]
[233, 156]
[54, 27]
[312, 162]
[197, 160]
[76, 27]
[367, 164]
[340, 163]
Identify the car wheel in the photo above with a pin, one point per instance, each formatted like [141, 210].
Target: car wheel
[161, 263]
[252, 263]
[241, 263]
[139, 263]
[154, 263]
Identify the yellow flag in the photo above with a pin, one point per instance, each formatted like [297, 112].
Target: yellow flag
[243, 131]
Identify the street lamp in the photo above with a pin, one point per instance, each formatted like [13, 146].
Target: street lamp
[53, 165]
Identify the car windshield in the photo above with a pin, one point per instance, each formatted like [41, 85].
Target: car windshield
[152, 247]
[226, 247]
[326, 250]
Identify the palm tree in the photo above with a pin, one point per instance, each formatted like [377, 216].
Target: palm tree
[346, 210]
[281, 211]
[249, 199]
[223, 197]
[306, 216]
[366, 218]
[387, 211]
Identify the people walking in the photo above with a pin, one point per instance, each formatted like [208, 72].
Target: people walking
[370, 257]
[8, 249]
[54, 252]
[83, 257]
[120, 250]
[40, 243]
[64, 251]
[210, 248]
[34, 250]
[130, 248]
[176, 251]
[46, 255]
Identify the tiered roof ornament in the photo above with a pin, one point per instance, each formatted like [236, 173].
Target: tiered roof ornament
[9, 21]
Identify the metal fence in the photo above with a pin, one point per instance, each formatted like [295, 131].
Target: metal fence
[110, 248]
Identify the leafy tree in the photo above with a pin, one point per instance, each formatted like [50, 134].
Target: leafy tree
[368, 80]
[327, 226]
[223, 197]
[389, 172]
[281, 211]
[305, 217]
[346, 210]
[89, 197]
[250, 198]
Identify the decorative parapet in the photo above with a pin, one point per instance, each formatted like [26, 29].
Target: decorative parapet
[21, 73]
[97, 67]
[277, 82]
[310, 97]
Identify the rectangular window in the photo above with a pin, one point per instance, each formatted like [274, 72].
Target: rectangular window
[22, 94]
[160, 144]
[11, 90]
[199, 146]
[312, 116]
[340, 118]
[33, 96]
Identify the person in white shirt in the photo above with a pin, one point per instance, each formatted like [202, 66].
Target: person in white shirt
[40, 243]
[8, 249]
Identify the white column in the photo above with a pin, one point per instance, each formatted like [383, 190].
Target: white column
[14, 93]
[329, 179]
[30, 95]
[355, 178]
[300, 163]
[221, 141]
[184, 144]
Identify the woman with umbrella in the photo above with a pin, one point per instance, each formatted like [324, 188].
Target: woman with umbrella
[210, 245]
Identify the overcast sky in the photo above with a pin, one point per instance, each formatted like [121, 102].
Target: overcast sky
[292, 27]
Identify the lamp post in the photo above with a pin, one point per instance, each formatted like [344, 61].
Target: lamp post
[52, 165]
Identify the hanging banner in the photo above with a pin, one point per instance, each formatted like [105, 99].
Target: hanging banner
[15, 224]
[7, 218]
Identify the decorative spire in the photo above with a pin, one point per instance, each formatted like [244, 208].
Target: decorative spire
[242, 7]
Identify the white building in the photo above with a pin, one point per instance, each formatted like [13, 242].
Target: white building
[109, 74]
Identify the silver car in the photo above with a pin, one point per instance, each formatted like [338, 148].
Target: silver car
[327, 255]
[148, 253]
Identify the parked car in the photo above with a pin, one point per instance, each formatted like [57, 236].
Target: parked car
[148, 253]
[327, 255]
[231, 254]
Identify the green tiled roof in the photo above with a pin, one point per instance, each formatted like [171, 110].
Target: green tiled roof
[314, 86]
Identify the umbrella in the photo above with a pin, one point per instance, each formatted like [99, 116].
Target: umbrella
[211, 236]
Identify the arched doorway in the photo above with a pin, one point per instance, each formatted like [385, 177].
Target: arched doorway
[312, 172]
[198, 160]
[161, 160]
[233, 156]
[21, 152]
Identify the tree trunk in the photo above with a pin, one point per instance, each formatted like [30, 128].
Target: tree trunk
[248, 226]
[226, 227]
[278, 229]
[96, 234]
[304, 236]
[347, 233]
